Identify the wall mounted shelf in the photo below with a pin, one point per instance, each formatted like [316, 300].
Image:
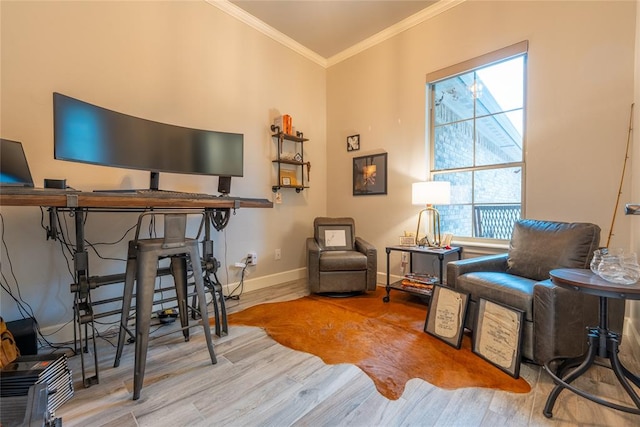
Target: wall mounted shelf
[293, 174]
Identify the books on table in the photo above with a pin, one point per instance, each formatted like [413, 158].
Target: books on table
[421, 281]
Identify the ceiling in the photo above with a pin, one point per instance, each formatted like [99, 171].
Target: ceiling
[328, 27]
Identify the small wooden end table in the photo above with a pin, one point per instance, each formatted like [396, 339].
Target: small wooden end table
[440, 253]
[603, 342]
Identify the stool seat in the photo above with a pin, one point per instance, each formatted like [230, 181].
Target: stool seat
[141, 271]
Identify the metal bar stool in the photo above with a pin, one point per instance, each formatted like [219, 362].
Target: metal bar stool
[142, 265]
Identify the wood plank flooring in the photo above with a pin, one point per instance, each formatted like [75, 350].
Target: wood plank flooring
[258, 382]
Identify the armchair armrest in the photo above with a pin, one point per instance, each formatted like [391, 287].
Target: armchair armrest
[372, 261]
[562, 318]
[312, 246]
[313, 264]
[365, 247]
[484, 263]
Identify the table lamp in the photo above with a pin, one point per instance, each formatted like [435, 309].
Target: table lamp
[431, 193]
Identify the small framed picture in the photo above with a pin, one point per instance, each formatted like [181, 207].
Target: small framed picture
[370, 175]
[497, 335]
[353, 142]
[446, 315]
[407, 241]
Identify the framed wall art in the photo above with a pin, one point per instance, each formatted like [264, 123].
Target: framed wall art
[370, 175]
[497, 335]
[353, 142]
[446, 315]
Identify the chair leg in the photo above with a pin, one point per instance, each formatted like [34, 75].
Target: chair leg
[129, 281]
[146, 278]
[179, 272]
[197, 274]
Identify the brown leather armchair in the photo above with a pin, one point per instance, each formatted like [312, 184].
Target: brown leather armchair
[555, 319]
[337, 260]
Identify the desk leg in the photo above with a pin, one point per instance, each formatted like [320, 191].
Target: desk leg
[83, 312]
[209, 268]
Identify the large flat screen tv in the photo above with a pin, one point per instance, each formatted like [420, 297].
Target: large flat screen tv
[87, 133]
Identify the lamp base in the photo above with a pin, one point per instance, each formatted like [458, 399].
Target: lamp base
[437, 238]
[426, 242]
[445, 241]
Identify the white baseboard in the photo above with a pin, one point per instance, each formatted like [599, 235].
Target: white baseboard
[269, 280]
[63, 333]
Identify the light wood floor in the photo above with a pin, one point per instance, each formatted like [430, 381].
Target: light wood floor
[258, 382]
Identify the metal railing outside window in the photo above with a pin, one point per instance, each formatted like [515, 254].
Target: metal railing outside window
[495, 221]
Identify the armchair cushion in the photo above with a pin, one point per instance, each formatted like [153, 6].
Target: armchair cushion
[538, 247]
[343, 260]
[514, 291]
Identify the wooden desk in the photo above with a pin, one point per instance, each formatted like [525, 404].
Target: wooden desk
[216, 211]
[603, 342]
[116, 200]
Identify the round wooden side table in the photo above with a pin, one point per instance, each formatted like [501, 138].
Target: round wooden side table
[602, 341]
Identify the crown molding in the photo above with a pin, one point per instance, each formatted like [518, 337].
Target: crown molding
[240, 14]
[407, 23]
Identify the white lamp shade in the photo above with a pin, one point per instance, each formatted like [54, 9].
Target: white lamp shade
[431, 193]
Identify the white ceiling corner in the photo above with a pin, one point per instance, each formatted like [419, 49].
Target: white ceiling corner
[355, 32]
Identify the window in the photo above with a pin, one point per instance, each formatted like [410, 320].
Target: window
[476, 133]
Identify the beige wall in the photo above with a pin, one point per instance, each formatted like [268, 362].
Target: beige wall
[635, 170]
[185, 63]
[580, 88]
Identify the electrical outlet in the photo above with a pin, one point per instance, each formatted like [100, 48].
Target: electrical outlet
[278, 254]
[252, 258]
[405, 257]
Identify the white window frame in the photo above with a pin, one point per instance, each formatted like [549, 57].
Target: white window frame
[500, 55]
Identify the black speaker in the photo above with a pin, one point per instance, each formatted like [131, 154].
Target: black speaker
[26, 335]
[224, 184]
[55, 183]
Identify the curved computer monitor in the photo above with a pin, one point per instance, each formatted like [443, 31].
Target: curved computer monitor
[87, 133]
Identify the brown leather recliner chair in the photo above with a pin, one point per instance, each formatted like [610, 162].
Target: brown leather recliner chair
[555, 319]
[337, 260]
